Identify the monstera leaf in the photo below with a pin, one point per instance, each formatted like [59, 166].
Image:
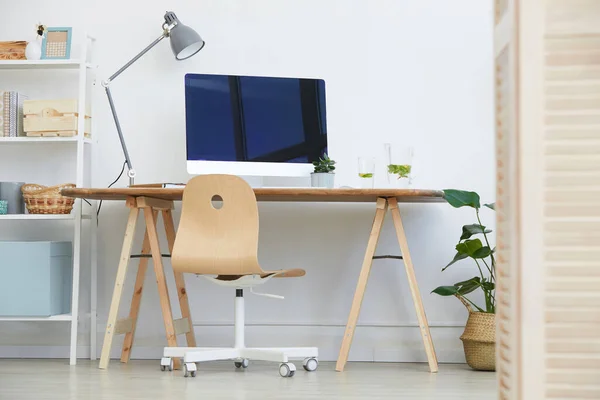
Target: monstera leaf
[473, 229]
[462, 198]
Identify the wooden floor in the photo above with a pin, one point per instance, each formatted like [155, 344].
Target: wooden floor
[55, 379]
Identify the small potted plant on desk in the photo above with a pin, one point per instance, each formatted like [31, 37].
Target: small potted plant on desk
[323, 176]
[479, 336]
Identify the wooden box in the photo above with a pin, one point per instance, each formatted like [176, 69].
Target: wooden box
[12, 50]
[53, 118]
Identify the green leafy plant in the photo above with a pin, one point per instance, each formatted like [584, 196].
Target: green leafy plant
[324, 165]
[473, 248]
[401, 170]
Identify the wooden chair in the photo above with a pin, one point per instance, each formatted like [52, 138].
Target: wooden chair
[218, 238]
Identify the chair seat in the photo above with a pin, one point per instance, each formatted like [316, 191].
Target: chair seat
[282, 273]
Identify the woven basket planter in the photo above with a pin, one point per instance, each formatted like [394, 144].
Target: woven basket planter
[41, 199]
[479, 339]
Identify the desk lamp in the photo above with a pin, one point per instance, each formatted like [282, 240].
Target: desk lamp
[185, 42]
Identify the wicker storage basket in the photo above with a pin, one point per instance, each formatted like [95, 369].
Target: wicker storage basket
[479, 339]
[41, 199]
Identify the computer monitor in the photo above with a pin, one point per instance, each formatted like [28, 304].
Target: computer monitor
[254, 126]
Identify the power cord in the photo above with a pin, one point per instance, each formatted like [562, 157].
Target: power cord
[113, 182]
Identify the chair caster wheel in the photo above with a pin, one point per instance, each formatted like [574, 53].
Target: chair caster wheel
[189, 369]
[310, 364]
[287, 370]
[166, 363]
[243, 363]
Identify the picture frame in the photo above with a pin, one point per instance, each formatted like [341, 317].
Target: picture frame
[56, 44]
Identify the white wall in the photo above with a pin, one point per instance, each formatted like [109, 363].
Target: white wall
[401, 71]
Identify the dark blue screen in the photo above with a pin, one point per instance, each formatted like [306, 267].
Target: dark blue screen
[247, 118]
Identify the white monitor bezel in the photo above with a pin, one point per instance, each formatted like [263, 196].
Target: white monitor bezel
[249, 168]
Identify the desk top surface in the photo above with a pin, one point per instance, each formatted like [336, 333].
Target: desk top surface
[270, 194]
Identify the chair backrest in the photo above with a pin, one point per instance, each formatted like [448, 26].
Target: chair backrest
[220, 241]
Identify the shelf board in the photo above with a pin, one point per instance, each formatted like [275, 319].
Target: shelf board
[27, 139]
[42, 216]
[42, 64]
[61, 317]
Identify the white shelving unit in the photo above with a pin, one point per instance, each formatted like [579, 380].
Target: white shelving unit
[75, 139]
[84, 71]
[27, 217]
[44, 64]
[60, 317]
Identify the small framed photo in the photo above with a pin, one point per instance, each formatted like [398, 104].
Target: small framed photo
[56, 44]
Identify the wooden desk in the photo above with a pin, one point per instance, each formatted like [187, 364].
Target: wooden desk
[272, 194]
[155, 200]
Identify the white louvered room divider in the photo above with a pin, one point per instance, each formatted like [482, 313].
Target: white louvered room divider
[547, 85]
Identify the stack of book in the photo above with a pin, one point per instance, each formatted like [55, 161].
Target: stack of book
[11, 114]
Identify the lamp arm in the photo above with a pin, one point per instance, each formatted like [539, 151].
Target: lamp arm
[130, 170]
[137, 57]
[106, 84]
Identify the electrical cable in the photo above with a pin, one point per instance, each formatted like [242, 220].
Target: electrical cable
[115, 181]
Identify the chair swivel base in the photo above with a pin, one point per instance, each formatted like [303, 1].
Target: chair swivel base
[241, 357]
[240, 354]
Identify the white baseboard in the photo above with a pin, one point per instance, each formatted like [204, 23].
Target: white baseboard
[42, 352]
[374, 344]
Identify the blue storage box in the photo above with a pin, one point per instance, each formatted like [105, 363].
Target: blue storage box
[35, 278]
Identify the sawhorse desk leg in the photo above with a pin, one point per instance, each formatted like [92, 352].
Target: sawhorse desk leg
[184, 305]
[137, 297]
[414, 287]
[383, 204]
[362, 283]
[111, 325]
[151, 247]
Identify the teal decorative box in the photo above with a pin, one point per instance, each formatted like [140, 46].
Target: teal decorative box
[35, 278]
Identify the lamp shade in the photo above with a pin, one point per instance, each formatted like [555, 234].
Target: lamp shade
[185, 42]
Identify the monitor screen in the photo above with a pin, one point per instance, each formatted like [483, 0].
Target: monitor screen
[256, 119]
